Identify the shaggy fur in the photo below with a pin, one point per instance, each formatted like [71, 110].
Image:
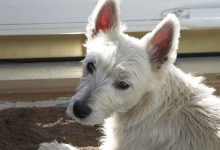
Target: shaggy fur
[134, 89]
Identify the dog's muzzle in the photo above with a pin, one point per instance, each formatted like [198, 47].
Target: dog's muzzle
[81, 110]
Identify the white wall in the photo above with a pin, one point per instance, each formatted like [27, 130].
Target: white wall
[24, 17]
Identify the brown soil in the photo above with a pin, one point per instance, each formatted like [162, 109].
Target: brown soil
[25, 129]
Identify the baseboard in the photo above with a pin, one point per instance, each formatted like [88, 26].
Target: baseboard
[39, 85]
[49, 89]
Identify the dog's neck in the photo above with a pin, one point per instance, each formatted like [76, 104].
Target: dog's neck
[174, 91]
[160, 113]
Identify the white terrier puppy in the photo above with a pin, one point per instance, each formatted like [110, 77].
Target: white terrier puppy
[132, 86]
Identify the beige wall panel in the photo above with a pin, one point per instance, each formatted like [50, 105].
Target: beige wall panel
[196, 41]
[199, 41]
[40, 46]
[16, 47]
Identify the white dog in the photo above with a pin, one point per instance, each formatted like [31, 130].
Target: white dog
[132, 85]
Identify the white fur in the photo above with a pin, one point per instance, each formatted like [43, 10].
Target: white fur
[163, 109]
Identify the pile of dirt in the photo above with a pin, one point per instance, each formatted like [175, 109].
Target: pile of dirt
[26, 128]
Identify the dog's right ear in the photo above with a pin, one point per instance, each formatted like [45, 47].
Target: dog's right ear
[162, 42]
[104, 18]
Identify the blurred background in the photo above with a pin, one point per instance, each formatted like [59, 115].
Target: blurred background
[41, 49]
[41, 41]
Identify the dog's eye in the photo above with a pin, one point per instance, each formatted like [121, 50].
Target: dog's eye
[90, 67]
[122, 85]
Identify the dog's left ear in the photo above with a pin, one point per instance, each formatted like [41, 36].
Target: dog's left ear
[162, 42]
[104, 18]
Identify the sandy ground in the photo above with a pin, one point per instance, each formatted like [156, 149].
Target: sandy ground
[26, 128]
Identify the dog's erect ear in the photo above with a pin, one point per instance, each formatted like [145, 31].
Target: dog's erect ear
[163, 41]
[104, 18]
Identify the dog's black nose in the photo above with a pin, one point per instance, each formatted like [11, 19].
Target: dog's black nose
[81, 110]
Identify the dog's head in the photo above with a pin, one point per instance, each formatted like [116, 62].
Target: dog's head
[118, 69]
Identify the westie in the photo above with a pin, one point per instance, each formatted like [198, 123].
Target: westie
[132, 86]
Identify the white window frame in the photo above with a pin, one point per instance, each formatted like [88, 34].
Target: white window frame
[39, 17]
